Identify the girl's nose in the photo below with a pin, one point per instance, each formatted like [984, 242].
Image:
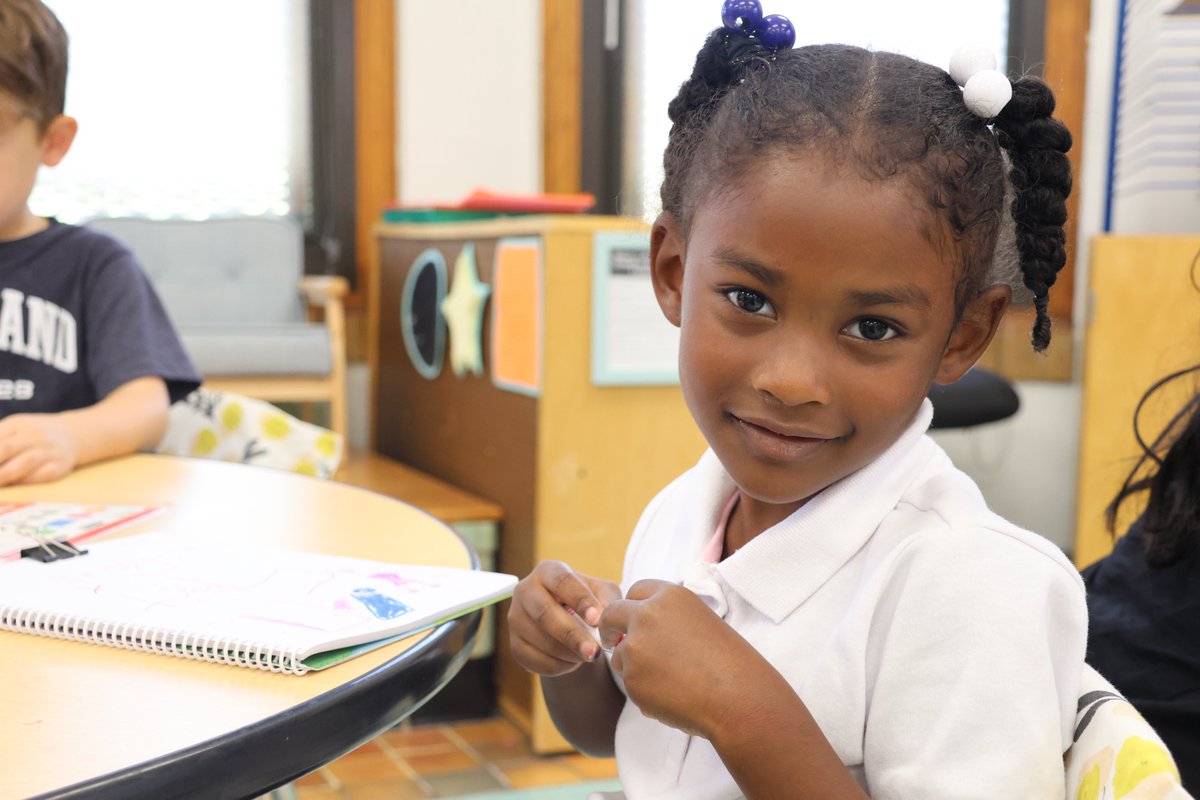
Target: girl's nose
[793, 374]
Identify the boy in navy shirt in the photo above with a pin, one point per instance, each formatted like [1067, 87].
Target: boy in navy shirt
[89, 361]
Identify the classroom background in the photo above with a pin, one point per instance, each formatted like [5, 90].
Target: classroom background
[375, 123]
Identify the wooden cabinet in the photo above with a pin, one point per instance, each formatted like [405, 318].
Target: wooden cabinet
[572, 464]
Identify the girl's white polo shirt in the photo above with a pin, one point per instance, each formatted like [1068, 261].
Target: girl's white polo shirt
[938, 646]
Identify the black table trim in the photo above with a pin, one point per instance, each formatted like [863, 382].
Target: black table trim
[232, 765]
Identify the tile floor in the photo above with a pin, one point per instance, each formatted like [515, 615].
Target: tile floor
[479, 759]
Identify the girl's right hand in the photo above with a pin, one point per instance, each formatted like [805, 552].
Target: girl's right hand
[550, 617]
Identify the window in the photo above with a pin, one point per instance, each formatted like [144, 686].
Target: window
[185, 110]
[662, 37]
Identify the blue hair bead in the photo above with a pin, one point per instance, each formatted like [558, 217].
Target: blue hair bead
[777, 31]
[742, 15]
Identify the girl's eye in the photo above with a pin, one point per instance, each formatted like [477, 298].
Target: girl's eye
[749, 301]
[873, 330]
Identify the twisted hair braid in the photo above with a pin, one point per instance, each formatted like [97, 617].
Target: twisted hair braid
[1037, 144]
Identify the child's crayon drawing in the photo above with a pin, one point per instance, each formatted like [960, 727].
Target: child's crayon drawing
[382, 606]
[23, 524]
[280, 590]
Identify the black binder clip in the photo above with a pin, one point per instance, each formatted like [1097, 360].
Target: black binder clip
[48, 550]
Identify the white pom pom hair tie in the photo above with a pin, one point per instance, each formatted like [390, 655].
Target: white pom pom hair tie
[986, 90]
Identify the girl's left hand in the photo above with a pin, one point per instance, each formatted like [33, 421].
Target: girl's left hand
[681, 664]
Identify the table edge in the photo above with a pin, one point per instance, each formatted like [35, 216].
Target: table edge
[236, 759]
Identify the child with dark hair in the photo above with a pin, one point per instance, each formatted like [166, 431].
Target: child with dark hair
[1144, 597]
[824, 606]
[89, 361]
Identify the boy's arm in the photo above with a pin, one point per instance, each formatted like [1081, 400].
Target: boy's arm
[43, 447]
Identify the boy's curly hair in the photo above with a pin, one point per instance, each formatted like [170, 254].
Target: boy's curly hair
[998, 189]
[33, 60]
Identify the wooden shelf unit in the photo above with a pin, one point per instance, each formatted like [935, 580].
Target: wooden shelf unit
[572, 467]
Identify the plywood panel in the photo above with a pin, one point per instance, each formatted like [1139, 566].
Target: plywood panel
[1067, 25]
[562, 110]
[1145, 322]
[374, 123]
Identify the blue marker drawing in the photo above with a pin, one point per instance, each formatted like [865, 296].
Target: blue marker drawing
[380, 605]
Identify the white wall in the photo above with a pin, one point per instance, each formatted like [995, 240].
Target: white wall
[1025, 465]
[468, 114]
[358, 404]
[469, 98]
[1092, 183]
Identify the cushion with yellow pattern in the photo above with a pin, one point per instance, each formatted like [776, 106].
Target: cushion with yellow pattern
[1115, 753]
[232, 427]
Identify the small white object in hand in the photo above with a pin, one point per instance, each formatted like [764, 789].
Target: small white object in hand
[987, 92]
[970, 59]
[596, 635]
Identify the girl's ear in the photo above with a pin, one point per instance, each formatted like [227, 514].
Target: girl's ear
[666, 266]
[973, 332]
[56, 141]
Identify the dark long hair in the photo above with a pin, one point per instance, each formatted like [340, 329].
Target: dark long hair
[1171, 522]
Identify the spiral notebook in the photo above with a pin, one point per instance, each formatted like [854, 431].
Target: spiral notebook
[274, 610]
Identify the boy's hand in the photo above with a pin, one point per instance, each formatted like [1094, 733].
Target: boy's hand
[35, 448]
[548, 619]
[680, 663]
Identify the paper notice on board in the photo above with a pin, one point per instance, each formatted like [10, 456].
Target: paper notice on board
[633, 343]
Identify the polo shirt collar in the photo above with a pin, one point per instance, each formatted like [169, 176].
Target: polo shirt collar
[784, 565]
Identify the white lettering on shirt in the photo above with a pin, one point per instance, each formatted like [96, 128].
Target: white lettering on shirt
[12, 324]
[51, 336]
[16, 390]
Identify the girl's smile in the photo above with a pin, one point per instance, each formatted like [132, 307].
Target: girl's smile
[816, 309]
[780, 441]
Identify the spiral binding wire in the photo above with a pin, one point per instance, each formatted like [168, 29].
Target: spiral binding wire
[141, 638]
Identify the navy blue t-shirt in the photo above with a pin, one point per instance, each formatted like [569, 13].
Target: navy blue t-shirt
[79, 318]
[1144, 636]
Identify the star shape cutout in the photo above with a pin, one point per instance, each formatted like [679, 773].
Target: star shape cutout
[463, 309]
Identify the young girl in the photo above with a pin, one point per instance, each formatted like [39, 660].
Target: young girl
[824, 606]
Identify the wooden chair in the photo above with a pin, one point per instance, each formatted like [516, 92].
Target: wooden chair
[250, 319]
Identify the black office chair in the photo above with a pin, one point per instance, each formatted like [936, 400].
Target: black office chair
[976, 398]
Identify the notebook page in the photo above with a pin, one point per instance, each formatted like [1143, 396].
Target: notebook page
[283, 600]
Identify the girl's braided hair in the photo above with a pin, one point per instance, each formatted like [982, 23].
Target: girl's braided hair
[999, 192]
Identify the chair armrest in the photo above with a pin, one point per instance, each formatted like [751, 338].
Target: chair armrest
[321, 290]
